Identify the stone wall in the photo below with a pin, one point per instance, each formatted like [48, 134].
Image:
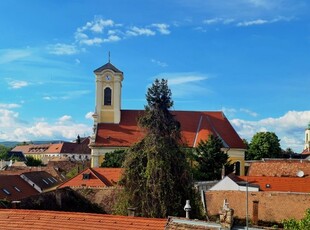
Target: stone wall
[266, 206]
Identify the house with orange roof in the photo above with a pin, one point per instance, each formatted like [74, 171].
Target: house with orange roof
[115, 128]
[266, 198]
[74, 151]
[95, 178]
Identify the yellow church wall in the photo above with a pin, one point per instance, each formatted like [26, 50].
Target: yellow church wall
[107, 116]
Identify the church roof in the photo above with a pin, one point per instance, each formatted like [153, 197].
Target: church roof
[195, 126]
[107, 66]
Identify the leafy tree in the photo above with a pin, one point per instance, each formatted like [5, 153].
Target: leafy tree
[264, 145]
[156, 178]
[4, 152]
[31, 161]
[210, 158]
[302, 224]
[114, 159]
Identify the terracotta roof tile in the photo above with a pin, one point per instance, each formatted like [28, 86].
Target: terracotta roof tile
[288, 168]
[195, 126]
[279, 184]
[97, 177]
[12, 219]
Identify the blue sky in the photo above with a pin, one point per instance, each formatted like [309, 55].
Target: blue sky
[247, 58]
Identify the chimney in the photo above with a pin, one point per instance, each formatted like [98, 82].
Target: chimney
[15, 204]
[187, 209]
[131, 211]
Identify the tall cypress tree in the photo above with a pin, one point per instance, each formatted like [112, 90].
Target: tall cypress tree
[156, 179]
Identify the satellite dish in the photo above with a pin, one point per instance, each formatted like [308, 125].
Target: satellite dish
[300, 173]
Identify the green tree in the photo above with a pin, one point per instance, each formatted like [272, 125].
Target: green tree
[157, 180]
[31, 161]
[4, 152]
[114, 159]
[264, 145]
[210, 159]
[303, 224]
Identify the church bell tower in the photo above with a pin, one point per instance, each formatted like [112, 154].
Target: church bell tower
[108, 94]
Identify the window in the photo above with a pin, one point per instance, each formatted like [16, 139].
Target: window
[86, 176]
[107, 96]
[17, 189]
[268, 186]
[6, 191]
[45, 181]
[237, 168]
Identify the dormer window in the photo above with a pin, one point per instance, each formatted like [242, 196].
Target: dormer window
[17, 189]
[268, 186]
[107, 96]
[6, 191]
[86, 176]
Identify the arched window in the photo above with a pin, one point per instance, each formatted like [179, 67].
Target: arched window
[237, 168]
[107, 96]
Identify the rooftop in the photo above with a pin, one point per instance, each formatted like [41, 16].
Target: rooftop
[12, 219]
[195, 126]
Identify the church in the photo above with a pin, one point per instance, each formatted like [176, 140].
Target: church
[116, 128]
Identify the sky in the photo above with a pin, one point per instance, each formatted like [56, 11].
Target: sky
[247, 58]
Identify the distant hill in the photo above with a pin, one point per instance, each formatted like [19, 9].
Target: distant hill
[14, 143]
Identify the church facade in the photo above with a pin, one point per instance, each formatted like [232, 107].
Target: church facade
[115, 128]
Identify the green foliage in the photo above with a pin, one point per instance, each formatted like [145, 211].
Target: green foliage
[73, 172]
[33, 162]
[264, 145]
[4, 152]
[303, 224]
[114, 159]
[157, 177]
[210, 159]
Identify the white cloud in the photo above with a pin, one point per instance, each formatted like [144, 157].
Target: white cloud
[9, 106]
[13, 129]
[64, 119]
[264, 21]
[162, 64]
[89, 115]
[62, 49]
[289, 128]
[184, 84]
[162, 28]
[253, 22]
[11, 55]
[17, 84]
[7, 118]
[92, 41]
[136, 31]
[185, 79]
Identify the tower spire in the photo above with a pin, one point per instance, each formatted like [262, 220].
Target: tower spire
[109, 57]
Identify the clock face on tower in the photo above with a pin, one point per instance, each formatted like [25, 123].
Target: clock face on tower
[108, 78]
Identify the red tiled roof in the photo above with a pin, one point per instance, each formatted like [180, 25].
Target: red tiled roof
[64, 147]
[12, 219]
[278, 168]
[195, 126]
[279, 184]
[98, 177]
[16, 187]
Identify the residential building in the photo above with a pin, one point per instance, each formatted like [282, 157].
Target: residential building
[95, 178]
[14, 188]
[74, 151]
[115, 128]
